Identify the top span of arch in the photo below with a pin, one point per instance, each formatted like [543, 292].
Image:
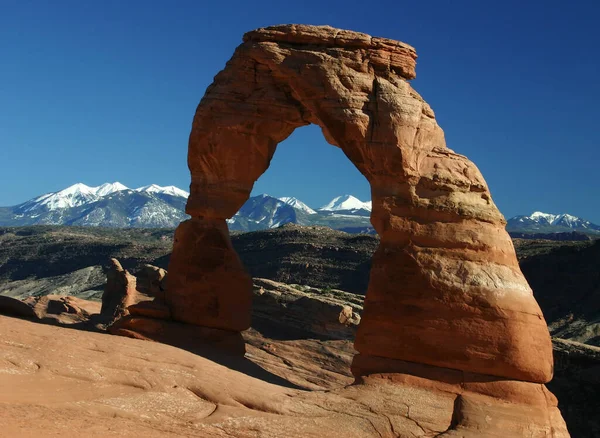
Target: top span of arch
[381, 52]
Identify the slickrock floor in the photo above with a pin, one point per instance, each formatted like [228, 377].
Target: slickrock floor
[57, 381]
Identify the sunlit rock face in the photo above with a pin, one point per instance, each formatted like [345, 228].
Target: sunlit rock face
[445, 290]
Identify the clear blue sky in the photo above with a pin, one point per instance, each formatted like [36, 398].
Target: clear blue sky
[96, 91]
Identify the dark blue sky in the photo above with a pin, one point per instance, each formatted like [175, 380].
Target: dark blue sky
[95, 91]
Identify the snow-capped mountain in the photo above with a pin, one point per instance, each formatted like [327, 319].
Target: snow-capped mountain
[107, 188]
[346, 203]
[108, 205]
[539, 222]
[262, 212]
[73, 196]
[297, 204]
[168, 190]
[116, 205]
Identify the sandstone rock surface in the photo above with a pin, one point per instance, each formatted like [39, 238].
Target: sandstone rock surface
[64, 382]
[445, 289]
[151, 281]
[211, 287]
[63, 310]
[119, 293]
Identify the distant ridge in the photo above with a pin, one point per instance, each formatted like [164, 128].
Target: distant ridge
[116, 205]
[108, 205]
[263, 212]
[539, 222]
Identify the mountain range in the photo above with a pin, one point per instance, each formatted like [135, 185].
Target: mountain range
[345, 213]
[153, 206]
[539, 222]
[108, 205]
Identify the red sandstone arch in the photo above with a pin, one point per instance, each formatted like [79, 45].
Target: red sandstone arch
[445, 287]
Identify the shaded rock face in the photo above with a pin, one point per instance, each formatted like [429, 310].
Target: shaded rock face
[207, 284]
[445, 287]
[151, 281]
[15, 307]
[568, 280]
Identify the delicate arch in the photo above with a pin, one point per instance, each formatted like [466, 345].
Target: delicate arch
[445, 287]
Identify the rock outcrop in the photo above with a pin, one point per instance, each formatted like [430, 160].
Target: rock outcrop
[119, 293]
[64, 310]
[445, 289]
[151, 281]
[279, 311]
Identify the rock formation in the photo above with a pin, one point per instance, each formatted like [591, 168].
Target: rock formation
[445, 288]
[151, 281]
[119, 293]
[207, 283]
[449, 320]
[278, 310]
[64, 310]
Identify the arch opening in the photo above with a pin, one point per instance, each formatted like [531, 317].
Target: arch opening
[308, 256]
[308, 168]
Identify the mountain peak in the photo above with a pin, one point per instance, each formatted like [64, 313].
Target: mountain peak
[167, 190]
[76, 188]
[108, 188]
[72, 196]
[297, 204]
[346, 202]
